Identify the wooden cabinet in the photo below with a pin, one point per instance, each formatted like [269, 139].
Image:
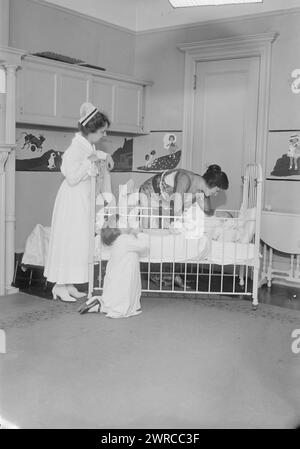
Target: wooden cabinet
[73, 90]
[37, 94]
[103, 96]
[122, 102]
[50, 93]
[128, 107]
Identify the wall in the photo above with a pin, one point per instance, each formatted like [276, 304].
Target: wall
[38, 26]
[106, 10]
[158, 59]
[36, 190]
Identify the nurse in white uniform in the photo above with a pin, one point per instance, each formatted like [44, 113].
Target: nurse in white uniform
[67, 260]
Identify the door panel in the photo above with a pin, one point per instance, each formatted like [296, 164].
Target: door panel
[74, 91]
[225, 121]
[103, 96]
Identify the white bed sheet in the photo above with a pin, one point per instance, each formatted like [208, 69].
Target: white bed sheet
[164, 247]
[167, 247]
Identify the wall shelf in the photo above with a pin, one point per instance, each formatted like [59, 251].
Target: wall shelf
[284, 130]
[282, 179]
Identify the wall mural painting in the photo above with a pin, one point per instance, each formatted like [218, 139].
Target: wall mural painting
[284, 156]
[40, 150]
[160, 151]
[120, 149]
[295, 83]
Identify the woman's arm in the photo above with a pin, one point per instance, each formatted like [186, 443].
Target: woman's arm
[182, 185]
[102, 156]
[207, 206]
[137, 243]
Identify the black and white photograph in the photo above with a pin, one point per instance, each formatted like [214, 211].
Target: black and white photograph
[149, 219]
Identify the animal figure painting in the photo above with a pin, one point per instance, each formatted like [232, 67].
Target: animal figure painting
[40, 150]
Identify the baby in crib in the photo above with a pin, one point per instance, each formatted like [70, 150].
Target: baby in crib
[223, 227]
[122, 283]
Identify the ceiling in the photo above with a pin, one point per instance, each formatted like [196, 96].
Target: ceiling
[144, 15]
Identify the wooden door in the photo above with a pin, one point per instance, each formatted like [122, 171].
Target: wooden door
[225, 121]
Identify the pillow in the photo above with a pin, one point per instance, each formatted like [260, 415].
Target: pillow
[247, 225]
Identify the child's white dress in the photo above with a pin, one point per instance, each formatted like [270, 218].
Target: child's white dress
[122, 282]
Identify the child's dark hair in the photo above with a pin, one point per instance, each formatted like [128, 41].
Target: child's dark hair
[93, 125]
[110, 232]
[215, 177]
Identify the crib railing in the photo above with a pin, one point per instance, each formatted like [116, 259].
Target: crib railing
[177, 265]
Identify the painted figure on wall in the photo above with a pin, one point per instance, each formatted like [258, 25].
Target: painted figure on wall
[170, 143]
[33, 143]
[123, 157]
[288, 165]
[165, 162]
[37, 152]
[294, 151]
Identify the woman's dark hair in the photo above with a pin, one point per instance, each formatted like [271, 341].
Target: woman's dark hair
[110, 232]
[215, 177]
[96, 123]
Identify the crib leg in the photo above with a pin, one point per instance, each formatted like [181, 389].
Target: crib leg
[255, 287]
[269, 275]
[254, 301]
[91, 281]
[241, 276]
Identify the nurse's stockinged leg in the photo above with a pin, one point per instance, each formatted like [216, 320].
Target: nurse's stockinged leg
[60, 291]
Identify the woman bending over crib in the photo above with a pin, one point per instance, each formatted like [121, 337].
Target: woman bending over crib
[67, 260]
[122, 282]
[173, 185]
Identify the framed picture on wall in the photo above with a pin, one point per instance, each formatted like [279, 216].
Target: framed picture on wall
[283, 156]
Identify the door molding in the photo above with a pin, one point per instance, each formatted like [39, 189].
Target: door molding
[259, 45]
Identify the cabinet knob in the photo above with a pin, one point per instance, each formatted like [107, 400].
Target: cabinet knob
[21, 110]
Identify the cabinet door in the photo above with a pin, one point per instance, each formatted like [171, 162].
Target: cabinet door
[128, 107]
[103, 94]
[36, 94]
[73, 91]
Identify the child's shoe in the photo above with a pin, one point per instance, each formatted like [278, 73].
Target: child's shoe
[92, 305]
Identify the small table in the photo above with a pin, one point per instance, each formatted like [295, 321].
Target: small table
[280, 231]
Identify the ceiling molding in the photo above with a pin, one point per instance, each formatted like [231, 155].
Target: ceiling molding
[278, 12]
[211, 44]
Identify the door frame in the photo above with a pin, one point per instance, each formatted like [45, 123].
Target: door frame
[259, 45]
